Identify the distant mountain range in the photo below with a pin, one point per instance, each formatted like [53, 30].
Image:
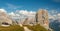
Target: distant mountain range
[55, 25]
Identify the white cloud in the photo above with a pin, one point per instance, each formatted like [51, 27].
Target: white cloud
[53, 14]
[51, 17]
[12, 14]
[23, 12]
[58, 15]
[3, 10]
[28, 13]
[32, 13]
[17, 15]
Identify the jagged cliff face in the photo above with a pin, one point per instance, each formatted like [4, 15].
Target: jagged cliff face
[29, 21]
[4, 18]
[42, 17]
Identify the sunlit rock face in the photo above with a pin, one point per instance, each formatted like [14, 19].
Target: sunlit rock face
[29, 21]
[4, 18]
[42, 18]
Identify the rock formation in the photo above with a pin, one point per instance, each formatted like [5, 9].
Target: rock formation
[4, 18]
[42, 18]
[29, 21]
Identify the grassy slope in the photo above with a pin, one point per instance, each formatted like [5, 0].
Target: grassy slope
[11, 28]
[36, 28]
[18, 28]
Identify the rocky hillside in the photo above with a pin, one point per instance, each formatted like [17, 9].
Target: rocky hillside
[4, 18]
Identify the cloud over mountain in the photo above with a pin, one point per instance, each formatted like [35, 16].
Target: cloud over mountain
[3, 10]
[12, 14]
[52, 14]
[28, 13]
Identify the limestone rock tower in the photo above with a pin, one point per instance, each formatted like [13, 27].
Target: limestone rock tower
[42, 18]
[4, 18]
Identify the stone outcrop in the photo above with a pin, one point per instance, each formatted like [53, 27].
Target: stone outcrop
[29, 21]
[4, 18]
[42, 18]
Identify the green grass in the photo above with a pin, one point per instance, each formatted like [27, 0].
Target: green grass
[11, 28]
[18, 28]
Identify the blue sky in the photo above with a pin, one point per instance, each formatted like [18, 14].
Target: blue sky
[30, 5]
